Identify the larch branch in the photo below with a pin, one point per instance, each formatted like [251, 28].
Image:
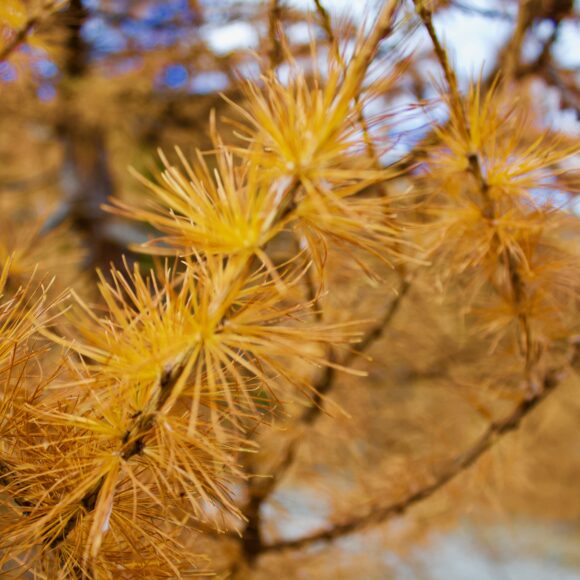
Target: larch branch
[475, 168]
[261, 491]
[492, 435]
[133, 443]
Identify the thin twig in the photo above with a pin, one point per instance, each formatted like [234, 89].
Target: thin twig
[492, 435]
[22, 34]
[326, 24]
[275, 52]
[18, 39]
[263, 488]
[475, 168]
[485, 12]
[441, 54]
[133, 443]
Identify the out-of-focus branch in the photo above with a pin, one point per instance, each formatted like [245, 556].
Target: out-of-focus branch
[85, 176]
[474, 166]
[275, 52]
[478, 11]
[569, 92]
[326, 24]
[116, 18]
[18, 39]
[492, 435]
[261, 489]
[327, 380]
[20, 36]
[510, 59]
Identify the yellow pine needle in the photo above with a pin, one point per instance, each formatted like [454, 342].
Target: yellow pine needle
[303, 170]
[512, 166]
[224, 213]
[74, 484]
[308, 129]
[227, 329]
[478, 218]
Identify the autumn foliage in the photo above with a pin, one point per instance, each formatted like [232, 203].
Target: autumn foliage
[167, 347]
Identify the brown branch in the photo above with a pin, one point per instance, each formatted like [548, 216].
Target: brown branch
[22, 34]
[327, 380]
[275, 52]
[326, 24]
[511, 262]
[132, 444]
[569, 93]
[509, 60]
[441, 54]
[261, 489]
[86, 179]
[18, 39]
[475, 166]
[492, 435]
